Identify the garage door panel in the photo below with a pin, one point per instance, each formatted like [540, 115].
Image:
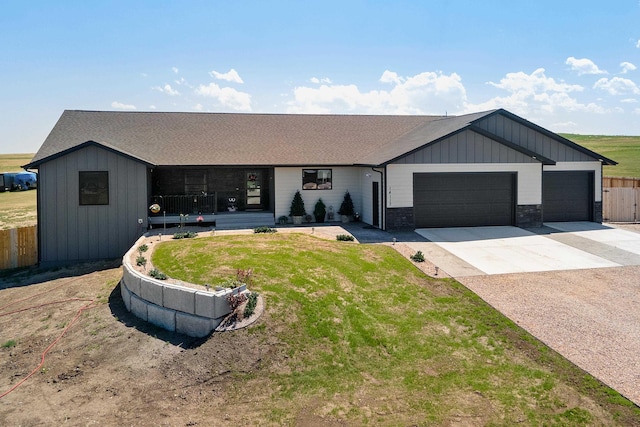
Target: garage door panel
[567, 196]
[464, 199]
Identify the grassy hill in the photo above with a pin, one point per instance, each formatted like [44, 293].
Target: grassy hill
[623, 149]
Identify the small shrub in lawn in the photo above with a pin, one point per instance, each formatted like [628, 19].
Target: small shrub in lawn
[9, 344]
[250, 308]
[185, 235]
[344, 238]
[157, 274]
[141, 261]
[265, 229]
[418, 257]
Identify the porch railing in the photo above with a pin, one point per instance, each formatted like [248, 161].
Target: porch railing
[186, 204]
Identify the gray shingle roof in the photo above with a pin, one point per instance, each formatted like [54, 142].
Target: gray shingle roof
[160, 138]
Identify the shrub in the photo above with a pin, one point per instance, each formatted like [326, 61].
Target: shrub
[297, 205]
[344, 238]
[346, 208]
[283, 219]
[265, 229]
[418, 257]
[143, 248]
[250, 308]
[320, 210]
[157, 274]
[141, 261]
[185, 235]
[236, 300]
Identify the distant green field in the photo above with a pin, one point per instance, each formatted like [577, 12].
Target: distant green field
[623, 149]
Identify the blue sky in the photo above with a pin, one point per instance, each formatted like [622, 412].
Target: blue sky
[569, 66]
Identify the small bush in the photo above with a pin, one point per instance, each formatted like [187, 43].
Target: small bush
[418, 257]
[157, 274]
[236, 300]
[250, 308]
[185, 235]
[265, 229]
[141, 261]
[344, 238]
[143, 248]
[9, 344]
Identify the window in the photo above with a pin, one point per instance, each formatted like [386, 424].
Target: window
[316, 179]
[94, 188]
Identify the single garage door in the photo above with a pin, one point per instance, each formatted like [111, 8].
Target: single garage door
[463, 199]
[567, 196]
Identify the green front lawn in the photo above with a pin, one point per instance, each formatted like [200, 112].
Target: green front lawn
[378, 342]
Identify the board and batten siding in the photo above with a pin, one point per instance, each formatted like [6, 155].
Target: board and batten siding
[70, 232]
[400, 179]
[531, 139]
[289, 179]
[592, 166]
[465, 147]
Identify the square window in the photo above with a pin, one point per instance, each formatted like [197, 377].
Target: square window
[94, 188]
[316, 179]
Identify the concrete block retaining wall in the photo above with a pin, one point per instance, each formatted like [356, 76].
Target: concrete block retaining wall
[169, 306]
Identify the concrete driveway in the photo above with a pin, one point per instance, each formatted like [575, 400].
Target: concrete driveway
[472, 251]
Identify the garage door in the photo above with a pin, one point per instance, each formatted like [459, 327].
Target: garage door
[567, 196]
[463, 199]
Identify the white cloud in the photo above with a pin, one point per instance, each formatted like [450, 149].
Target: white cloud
[316, 80]
[167, 89]
[638, 44]
[629, 100]
[535, 94]
[152, 107]
[231, 76]
[121, 106]
[228, 97]
[617, 86]
[584, 66]
[197, 107]
[175, 70]
[636, 111]
[627, 66]
[424, 93]
[390, 77]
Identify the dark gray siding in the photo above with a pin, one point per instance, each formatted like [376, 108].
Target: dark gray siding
[532, 140]
[465, 147]
[70, 232]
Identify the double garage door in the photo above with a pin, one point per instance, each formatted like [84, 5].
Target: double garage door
[464, 199]
[482, 199]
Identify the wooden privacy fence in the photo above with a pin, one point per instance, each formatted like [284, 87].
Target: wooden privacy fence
[620, 204]
[18, 247]
[617, 182]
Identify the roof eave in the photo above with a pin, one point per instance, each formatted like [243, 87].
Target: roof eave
[37, 163]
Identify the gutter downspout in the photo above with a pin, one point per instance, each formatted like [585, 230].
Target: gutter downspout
[383, 190]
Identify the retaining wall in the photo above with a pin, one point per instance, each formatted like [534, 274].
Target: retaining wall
[172, 307]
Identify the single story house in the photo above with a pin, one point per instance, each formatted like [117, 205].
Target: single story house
[102, 172]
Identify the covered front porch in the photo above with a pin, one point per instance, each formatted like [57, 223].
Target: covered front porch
[229, 197]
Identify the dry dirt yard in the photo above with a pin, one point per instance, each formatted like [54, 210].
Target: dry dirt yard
[110, 368]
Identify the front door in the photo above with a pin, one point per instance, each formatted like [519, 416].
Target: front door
[254, 190]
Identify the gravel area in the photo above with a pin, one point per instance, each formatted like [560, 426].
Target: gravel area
[589, 316]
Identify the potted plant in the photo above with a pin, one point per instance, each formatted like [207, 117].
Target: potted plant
[346, 210]
[297, 211]
[319, 211]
